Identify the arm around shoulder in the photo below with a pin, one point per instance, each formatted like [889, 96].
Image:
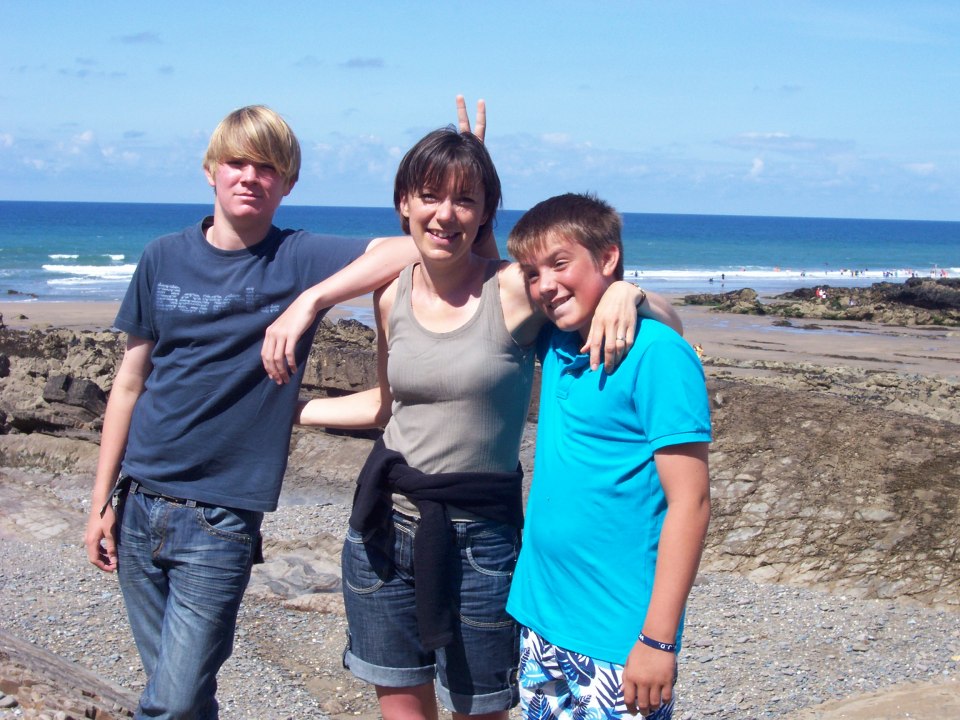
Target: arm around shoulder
[656, 307]
[381, 263]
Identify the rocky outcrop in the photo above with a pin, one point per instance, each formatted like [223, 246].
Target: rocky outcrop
[742, 302]
[57, 381]
[343, 359]
[37, 683]
[811, 488]
[916, 301]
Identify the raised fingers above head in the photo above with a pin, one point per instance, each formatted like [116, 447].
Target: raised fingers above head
[463, 119]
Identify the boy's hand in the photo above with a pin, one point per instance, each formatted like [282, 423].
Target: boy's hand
[648, 679]
[99, 539]
[463, 120]
[613, 327]
[278, 352]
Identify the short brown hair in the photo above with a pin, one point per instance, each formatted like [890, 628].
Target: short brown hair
[581, 218]
[444, 151]
[258, 134]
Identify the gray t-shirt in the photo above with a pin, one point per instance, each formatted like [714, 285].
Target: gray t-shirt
[211, 426]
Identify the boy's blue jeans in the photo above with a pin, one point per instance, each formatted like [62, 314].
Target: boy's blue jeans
[183, 571]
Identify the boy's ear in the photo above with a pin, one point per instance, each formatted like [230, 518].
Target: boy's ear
[211, 176]
[610, 258]
[289, 187]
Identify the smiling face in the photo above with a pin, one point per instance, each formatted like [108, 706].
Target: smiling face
[566, 282]
[444, 220]
[446, 163]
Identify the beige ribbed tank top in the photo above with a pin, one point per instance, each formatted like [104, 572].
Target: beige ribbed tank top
[460, 398]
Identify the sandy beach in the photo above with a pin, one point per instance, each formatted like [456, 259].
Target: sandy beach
[100, 315]
[759, 371]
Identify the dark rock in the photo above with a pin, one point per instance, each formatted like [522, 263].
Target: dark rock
[916, 301]
[88, 395]
[56, 388]
[742, 302]
[939, 295]
[344, 357]
[835, 477]
[73, 391]
[46, 684]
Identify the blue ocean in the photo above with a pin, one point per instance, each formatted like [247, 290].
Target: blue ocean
[65, 251]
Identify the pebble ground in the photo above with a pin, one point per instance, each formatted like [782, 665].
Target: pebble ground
[750, 651]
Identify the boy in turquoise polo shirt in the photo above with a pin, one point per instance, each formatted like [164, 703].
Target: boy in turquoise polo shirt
[620, 501]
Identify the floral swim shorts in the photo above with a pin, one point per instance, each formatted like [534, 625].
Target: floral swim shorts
[558, 684]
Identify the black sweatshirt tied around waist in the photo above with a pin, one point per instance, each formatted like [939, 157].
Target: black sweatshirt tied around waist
[493, 496]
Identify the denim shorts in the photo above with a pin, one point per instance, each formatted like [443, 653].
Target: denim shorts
[477, 672]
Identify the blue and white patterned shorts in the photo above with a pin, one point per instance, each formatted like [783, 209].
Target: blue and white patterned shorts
[558, 684]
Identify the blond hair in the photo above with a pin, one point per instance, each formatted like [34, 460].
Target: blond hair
[258, 134]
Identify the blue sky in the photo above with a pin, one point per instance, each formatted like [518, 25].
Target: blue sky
[807, 108]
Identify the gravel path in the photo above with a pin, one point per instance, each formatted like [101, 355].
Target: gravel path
[751, 651]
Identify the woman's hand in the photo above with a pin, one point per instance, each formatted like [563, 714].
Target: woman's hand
[463, 120]
[614, 325]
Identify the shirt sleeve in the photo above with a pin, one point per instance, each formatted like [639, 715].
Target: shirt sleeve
[671, 394]
[135, 316]
[321, 256]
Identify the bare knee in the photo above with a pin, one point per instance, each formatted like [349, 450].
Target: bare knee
[409, 703]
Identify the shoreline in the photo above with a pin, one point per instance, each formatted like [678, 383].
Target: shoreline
[100, 314]
[921, 350]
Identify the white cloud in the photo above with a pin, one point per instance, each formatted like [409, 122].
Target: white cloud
[556, 138]
[6, 140]
[786, 143]
[922, 169]
[756, 167]
[79, 143]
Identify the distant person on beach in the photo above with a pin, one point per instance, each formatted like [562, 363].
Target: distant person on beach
[196, 435]
[435, 527]
[620, 501]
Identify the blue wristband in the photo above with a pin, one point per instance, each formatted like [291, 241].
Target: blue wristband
[656, 644]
